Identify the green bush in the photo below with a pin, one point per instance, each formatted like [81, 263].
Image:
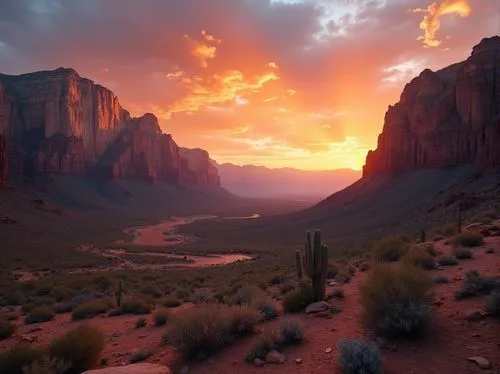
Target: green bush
[160, 317]
[140, 323]
[292, 331]
[63, 307]
[43, 313]
[441, 279]
[90, 309]
[47, 365]
[468, 239]
[447, 261]
[462, 253]
[202, 331]
[395, 300]
[171, 302]
[297, 300]
[267, 308]
[131, 306]
[79, 347]
[476, 284]
[17, 357]
[7, 329]
[492, 304]
[358, 356]
[389, 249]
[420, 258]
[267, 342]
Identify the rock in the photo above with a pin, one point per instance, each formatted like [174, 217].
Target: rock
[298, 360]
[324, 314]
[473, 316]
[142, 368]
[476, 335]
[274, 357]
[185, 369]
[33, 330]
[29, 338]
[444, 118]
[258, 362]
[328, 350]
[59, 122]
[317, 307]
[441, 267]
[480, 361]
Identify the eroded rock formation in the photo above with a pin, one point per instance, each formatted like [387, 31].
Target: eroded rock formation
[57, 122]
[443, 118]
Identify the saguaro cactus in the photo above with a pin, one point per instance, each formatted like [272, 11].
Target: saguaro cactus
[316, 264]
[298, 265]
[118, 294]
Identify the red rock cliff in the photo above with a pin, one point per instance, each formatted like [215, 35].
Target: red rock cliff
[3, 162]
[443, 118]
[198, 160]
[57, 122]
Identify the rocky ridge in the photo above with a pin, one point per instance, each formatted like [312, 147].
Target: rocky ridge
[58, 122]
[448, 117]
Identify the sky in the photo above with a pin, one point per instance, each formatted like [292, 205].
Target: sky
[290, 83]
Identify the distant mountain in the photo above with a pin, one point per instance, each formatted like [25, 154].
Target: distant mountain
[259, 181]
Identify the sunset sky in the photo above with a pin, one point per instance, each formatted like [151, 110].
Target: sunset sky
[299, 83]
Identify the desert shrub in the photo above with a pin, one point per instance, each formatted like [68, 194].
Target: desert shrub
[441, 279]
[160, 317]
[267, 308]
[337, 293]
[437, 238]
[447, 261]
[449, 229]
[183, 293]
[468, 239]
[171, 302]
[40, 314]
[291, 331]
[7, 329]
[131, 306]
[42, 301]
[247, 294]
[389, 249]
[462, 253]
[276, 280]
[490, 250]
[269, 341]
[286, 287]
[140, 323]
[486, 216]
[492, 304]
[358, 356]
[202, 331]
[395, 299]
[17, 357]
[297, 300]
[139, 355]
[420, 258]
[364, 267]
[47, 365]
[151, 290]
[476, 284]
[61, 292]
[429, 248]
[79, 347]
[90, 309]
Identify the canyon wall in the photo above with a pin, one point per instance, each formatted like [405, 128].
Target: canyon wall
[445, 118]
[57, 122]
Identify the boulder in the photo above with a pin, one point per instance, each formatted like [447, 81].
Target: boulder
[480, 361]
[317, 307]
[274, 357]
[142, 368]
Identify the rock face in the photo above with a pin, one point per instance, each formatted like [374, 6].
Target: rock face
[199, 161]
[57, 122]
[444, 118]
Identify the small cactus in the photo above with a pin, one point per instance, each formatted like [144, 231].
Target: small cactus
[118, 294]
[316, 264]
[298, 265]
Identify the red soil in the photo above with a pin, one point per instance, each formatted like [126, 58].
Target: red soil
[444, 350]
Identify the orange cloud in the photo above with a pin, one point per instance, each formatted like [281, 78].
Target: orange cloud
[204, 92]
[203, 50]
[431, 22]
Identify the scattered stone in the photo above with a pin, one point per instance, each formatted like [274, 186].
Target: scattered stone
[317, 307]
[34, 329]
[441, 267]
[298, 360]
[328, 350]
[274, 357]
[185, 369]
[29, 338]
[480, 361]
[142, 368]
[258, 362]
[324, 314]
[476, 335]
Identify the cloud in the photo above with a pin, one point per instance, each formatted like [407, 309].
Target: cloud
[432, 23]
[203, 50]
